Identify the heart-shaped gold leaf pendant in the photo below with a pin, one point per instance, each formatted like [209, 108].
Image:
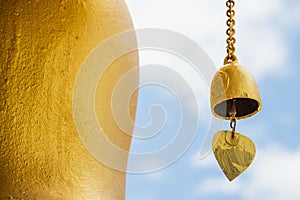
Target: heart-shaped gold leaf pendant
[234, 154]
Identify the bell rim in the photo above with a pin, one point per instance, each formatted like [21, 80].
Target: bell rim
[237, 117]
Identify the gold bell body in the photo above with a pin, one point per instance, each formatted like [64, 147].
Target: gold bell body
[234, 83]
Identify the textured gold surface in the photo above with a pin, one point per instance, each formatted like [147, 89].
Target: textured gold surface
[233, 81]
[234, 155]
[42, 45]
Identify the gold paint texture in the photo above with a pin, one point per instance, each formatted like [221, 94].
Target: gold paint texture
[234, 155]
[42, 45]
[231, 82]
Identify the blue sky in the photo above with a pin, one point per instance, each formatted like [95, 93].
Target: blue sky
[268, 44]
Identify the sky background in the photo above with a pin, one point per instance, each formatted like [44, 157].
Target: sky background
[268, 44]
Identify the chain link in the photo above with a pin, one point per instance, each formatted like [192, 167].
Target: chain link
[233, 126]
[231, 57]
[232, 113]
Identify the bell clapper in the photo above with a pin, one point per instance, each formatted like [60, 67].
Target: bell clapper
[232, 114]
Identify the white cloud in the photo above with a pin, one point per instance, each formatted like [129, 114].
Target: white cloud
[189, 76]
[287, 119]
[275, 174]
[260, 25]
[157, 176]
[202, 163]
[209, 187]
[144, 194]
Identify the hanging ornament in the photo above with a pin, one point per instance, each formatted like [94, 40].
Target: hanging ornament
[234, 96]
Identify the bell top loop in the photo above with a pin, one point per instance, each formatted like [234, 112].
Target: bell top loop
[231, 59]
[233, 84]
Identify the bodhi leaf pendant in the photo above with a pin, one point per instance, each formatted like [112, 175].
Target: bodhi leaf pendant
[234, 154]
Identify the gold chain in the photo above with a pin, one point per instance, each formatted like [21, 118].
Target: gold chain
[231, 57]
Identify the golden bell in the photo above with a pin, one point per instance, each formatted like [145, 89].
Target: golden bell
[234, 84]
